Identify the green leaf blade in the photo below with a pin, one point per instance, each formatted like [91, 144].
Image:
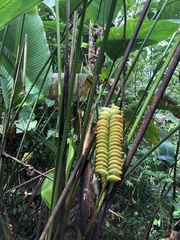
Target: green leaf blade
[163, 30]
[11, 9]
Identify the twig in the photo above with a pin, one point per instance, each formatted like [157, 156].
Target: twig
[29, 203]
[25, 165]
[32, 179]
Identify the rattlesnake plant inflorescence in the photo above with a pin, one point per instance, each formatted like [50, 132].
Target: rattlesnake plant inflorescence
[109, 144]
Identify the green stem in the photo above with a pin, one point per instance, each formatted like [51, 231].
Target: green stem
[73, 76]
[149, 83]
[62, 144]
[150, 95]
[144, 42]
[3, 229]
[31, 116]
[58, 163]
[97, 70]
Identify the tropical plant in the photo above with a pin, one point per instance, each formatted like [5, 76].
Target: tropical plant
[111, 57]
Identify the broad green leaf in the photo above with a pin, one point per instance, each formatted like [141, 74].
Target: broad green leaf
[46, 190]
[6, 74]
[166, 158]
[21, 125]
[26, 112]
[74, 4]
[47, 186]
[37, 55]
[162, 30]
[70, 155]
[166, 148]
[152, 133]
[52, 133]
[166, 152]
[98, 11]
[10, 9]
[171, 11]
[52, 25]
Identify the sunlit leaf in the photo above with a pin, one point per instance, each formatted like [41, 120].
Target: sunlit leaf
[50, 4]
[47, 186]
[52, 133]
[98, 11]
[21, 125]
[37, 55]
[171, 11]
[10, 9]
[70, 155]
[46, 190]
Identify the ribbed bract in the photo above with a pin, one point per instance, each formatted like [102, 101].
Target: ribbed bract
[109, 140]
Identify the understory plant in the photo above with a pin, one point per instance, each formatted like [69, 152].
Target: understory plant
[89, 119]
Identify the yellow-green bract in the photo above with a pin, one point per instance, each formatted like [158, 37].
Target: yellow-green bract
[109, 140]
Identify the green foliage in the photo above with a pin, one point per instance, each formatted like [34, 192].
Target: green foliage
[60, 135]
[74, 4]
[171, 11]
[34, 59]
[11, 9]
[166, 152]
[162, 30]
[46, 190]
[70, 156]
[152, 134]
[98, 11]
[47, 186]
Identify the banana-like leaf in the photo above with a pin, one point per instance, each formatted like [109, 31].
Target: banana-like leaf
[166, 152]
[47, 186]
[152, 134]
[6, 74]
[46, 190]
[171, 11]
[163, 30]
[37, 55]
[98, 11]
[10, 9]
[74, 4]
